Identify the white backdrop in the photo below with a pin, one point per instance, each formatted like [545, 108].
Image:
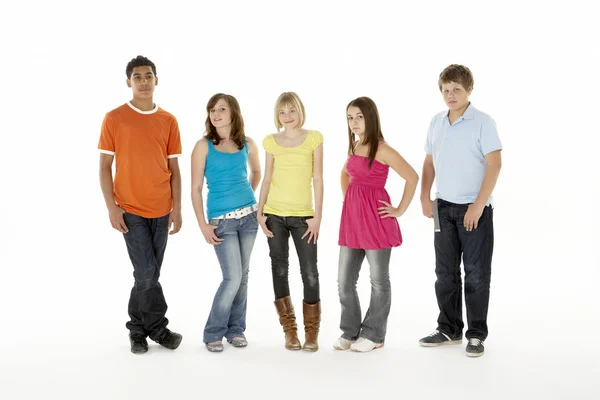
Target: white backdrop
[65, 272]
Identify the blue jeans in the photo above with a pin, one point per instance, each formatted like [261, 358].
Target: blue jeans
[374, 326]
[227, 316]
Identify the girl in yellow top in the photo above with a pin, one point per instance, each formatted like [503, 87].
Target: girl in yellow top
[293, 165]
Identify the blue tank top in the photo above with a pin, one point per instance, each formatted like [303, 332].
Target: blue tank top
[227, 180]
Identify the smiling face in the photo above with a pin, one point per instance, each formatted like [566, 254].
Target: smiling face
[289, 117]
[220, 114]
[356, 121]
[142, 81]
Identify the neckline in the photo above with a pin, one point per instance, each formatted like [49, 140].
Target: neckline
[374, 161]
[134, 108]
[294, 147]
[224, 152]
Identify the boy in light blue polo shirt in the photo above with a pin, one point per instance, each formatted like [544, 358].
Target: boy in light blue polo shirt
[463, 156]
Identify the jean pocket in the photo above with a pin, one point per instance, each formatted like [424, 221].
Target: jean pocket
[215, 222]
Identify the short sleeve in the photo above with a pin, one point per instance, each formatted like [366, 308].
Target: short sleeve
[429, 139]
[317, 139]
[174, 145]
[489, 139]
[106, 144]
[267, 144]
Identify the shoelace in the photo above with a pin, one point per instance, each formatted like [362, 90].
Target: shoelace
[475, 342]
[432, 334]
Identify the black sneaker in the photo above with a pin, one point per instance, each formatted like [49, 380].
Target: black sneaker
[139, 345]
[170, 340]
[437, 338]
[475, 347]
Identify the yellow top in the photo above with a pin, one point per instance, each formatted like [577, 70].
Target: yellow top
[291, 194]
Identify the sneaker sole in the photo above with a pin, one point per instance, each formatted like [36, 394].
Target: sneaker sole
[441, 344]
[474, 355]
[379, 346]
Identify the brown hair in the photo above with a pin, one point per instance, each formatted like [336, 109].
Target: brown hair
[237, 122]
[291, 100]
[457, 73]
[373, 134]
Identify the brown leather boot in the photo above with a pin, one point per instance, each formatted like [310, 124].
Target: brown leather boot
[287, 319]
[312, 321]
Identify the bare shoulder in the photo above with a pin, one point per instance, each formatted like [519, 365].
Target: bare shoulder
[387, 154]
[201, 146]
[385, 149]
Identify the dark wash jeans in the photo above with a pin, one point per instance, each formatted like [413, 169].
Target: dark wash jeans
[475, 248]
[282, 227]
[146, 243]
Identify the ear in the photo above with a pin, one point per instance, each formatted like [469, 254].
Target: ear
[128, 83]
[469, 91]
[155, 80]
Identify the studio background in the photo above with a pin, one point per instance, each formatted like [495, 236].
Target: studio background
[65, 272]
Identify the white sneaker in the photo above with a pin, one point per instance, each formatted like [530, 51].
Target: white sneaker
[343, 344]
[363, 345]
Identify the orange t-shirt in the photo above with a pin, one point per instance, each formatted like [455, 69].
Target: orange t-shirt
[142, 142]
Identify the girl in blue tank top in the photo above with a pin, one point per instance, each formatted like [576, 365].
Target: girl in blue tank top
[223, 157]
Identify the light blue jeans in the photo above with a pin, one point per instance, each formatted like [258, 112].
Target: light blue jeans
[227, 316]
[374, 325]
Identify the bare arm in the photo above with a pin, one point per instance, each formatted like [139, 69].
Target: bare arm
[175, 219]
[475, 210]
[344, 180]
[254, 163]
[266, 182]
[426, 185]
[494, 164]
[392, 158]
[198, 166]
[106, 180]
[314, 223]
[115, 213]
[264, 193]
[318, 180]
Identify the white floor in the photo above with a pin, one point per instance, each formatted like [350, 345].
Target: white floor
[90, 366]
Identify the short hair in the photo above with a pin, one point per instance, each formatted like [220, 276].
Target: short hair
[456, 73]
[139, 61]
[292, 100]
[237, 122]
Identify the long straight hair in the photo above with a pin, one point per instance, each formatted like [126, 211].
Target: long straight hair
[373, 134]
[237, 122]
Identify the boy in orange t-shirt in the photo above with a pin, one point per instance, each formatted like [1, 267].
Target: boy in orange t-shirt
[144, 200]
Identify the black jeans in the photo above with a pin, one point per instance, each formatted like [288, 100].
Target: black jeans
[146, 244]
[475, 248]
[282, 227]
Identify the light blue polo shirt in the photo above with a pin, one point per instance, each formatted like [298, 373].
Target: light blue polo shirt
[458, 153]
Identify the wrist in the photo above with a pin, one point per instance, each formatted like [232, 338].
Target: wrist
[479, 204]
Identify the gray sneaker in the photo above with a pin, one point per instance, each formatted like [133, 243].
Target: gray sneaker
[239, 342]
[215, 348]
[475, 348]
[437, 338]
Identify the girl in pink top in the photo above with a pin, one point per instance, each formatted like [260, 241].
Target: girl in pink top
[368, 225]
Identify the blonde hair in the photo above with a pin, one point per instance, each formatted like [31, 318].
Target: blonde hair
[292, 100]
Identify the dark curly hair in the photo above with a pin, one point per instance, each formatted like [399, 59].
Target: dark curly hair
[139, 61]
